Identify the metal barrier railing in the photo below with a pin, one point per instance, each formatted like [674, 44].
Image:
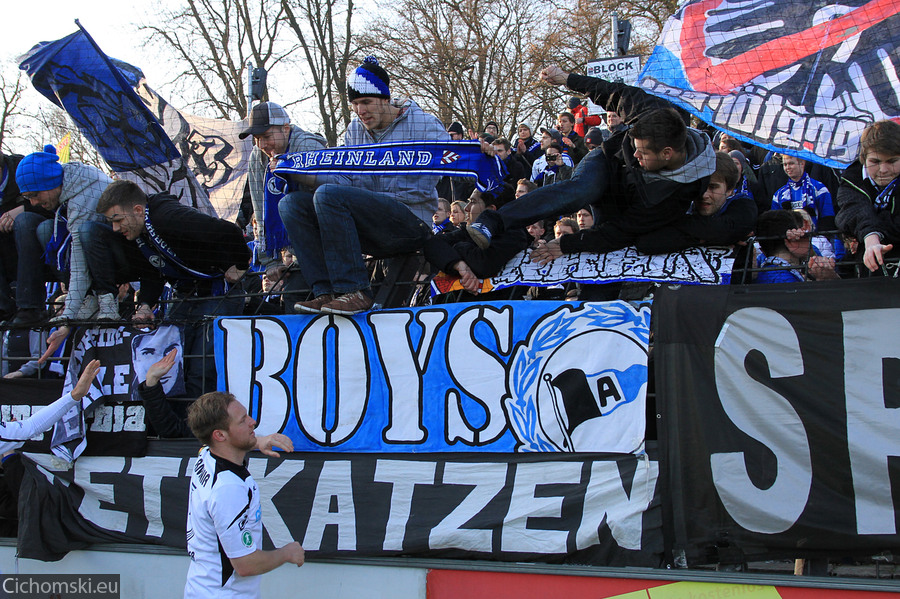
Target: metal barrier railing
[403, 281]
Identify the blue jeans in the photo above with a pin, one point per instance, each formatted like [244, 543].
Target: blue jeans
[32, 232]
[587, 186]
[331, 229]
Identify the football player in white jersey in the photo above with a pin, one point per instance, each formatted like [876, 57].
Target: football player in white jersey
[224, 527]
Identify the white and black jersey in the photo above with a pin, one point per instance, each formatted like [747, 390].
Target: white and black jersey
[224, 521]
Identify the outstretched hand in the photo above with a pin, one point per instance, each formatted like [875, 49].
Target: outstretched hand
[554, 75]
[467, 278]
[55, 339]
[161, 368]
[268, 443]
[488, 149]
[875, 251]
[84, 381]
[546, 252]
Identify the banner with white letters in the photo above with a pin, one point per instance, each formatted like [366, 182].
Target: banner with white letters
[110, 419]
[780, 416]
[693, 266]
[577, 508]
[489, 377]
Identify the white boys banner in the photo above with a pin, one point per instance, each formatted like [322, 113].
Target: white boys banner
[517, 376]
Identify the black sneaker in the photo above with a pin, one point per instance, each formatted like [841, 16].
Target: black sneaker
[28, 317]
[480, 234]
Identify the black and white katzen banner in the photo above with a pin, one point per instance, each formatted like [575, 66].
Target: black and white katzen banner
[586, 508]
[693, 266]
[781, 412]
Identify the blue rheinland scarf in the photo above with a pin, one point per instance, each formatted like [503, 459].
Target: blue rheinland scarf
[442, 158]
[276, 237]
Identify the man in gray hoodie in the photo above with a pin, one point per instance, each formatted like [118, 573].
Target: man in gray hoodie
[639, 180]
[351, 215]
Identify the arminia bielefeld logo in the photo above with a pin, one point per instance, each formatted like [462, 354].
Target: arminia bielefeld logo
[572, 378]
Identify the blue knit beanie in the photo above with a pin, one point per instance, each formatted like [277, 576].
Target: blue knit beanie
[39, 171]
[369, 79]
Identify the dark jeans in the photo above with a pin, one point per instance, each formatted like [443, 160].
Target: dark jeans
[8, 260]
[32, 233]
[331, 229]
[587, 186]
[112, 259]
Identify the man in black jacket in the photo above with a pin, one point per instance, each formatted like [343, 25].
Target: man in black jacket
[11, 205]
[156, 240]
[640, 180]
[720, 217]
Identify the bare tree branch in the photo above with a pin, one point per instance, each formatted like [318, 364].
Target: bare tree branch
[11, 89]
[470, 60]
[211, 41]
[324, 31]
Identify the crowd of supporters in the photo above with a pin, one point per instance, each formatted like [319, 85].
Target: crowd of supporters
[77, 247]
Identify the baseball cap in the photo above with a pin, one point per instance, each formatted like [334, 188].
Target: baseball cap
[554, 133]
[263, 116]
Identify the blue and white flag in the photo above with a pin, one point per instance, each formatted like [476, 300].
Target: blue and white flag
[442, 158]
[77, 76]
[97, 93]
[803, 77]
[461, 377]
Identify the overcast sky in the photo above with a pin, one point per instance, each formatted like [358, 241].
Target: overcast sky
[113, 25]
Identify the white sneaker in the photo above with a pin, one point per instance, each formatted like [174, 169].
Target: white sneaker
[88, 309]
[109, 307]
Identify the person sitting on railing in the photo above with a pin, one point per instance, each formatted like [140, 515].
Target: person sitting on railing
[788, 251]
[273, 135]
[348, 216]
[869, 197]
[70, 193]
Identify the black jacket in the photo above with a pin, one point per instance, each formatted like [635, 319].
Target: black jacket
[160, 414]
[204, 243]
[446, 249]
[732, 224]
[856, 212]
[637, 202]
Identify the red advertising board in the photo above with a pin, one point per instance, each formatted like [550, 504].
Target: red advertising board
[453, 584]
